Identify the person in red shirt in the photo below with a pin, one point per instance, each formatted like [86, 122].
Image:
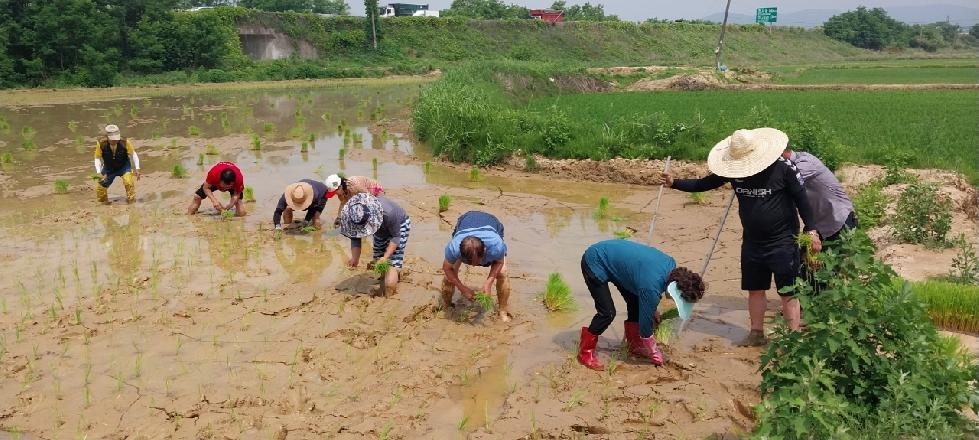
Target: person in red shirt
[223, 176]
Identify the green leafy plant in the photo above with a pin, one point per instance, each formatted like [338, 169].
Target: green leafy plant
[474, 175]
[61, 187]
[444, 201]
[871, 202]
[895, 169]
[178, 171]
[249, 194]
[869, 365]
[484, 300]
[965, 264]
[602, 211]
[557, 295]
[924, 215]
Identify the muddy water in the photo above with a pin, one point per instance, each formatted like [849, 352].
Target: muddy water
[141, 320]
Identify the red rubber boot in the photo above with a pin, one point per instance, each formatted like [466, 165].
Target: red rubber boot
[586, 350]
[632, 338]
[649, 350]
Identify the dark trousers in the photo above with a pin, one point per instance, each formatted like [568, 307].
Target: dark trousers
[604, 307]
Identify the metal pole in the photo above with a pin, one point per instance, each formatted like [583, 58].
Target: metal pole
[720, 227]
[652, 223]
[720, 40]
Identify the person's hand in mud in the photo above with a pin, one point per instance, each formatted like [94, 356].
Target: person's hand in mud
[217, 205]
[371, 264]
[137, 174]
[467, 293]
[353, 263]
[488, 285]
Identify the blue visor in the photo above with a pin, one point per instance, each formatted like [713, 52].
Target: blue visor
[682, 306]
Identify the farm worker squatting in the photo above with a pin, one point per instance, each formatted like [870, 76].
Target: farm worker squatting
[365, 214]
[770, 192]
[477, 240]
[305, 195]
[112, 161]
[641, 274]
[223, 176]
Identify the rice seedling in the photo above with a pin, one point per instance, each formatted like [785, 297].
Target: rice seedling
[342, 152]
[72, 126]
[117, 109]
[699, 198]
[474, 174]
[211, 150]
[394, 141]
[200, 159]
[308, 229]
[484, 300]
[623, 233]
[227, 214]
[249, 194]
[951, 306]
[444, 201]
[358, 138]
[557, 295]
[256, 142]
[810, 258]
[304, 147]
[428, 167]
[178, 172]
[374, 164]
[326, 117]
[381, 267]
[664, 331]
[268, 127]
[6, 157]
[193, 130]
[601, 212]
[28, 144]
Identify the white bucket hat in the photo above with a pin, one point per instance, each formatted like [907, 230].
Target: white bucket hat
[747, 152]
[112, 132]
[299, 196]
[361, 216]
[332, 182]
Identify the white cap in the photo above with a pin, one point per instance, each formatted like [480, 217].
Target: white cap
[332, 182]
[112, 131]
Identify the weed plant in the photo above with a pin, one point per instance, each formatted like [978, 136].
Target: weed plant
[178, 172]
[951, 306]
[61, 187]
[870, 364]
[924, 216]
[557, 295]
[444, 201]
[871, 202]
[965, 264]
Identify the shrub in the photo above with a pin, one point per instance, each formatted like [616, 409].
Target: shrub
[924, 216]
[870, 365]
[870, 203]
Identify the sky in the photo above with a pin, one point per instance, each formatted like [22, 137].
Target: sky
[639, 10]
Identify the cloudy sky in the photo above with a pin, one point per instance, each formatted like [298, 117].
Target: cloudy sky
[639, 10]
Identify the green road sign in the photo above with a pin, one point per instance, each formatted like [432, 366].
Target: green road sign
[766, 15]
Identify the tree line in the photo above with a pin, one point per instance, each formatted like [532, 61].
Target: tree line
[874, 29]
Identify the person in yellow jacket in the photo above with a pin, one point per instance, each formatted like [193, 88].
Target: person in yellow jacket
[115, 157]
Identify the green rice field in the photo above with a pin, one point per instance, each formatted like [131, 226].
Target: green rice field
[880, 75]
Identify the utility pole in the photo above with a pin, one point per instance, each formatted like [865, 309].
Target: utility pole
[720, 40]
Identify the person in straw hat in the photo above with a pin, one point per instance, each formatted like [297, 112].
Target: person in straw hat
[346, 187]
[477, 240]
[365, 214]
[770, 194]
[115, 156]
[305, 195]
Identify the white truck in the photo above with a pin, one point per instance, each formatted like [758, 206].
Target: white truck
[406, 10]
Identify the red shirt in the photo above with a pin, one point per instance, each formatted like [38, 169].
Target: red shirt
[214, 176]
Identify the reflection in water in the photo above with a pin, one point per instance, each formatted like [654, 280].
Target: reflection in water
[483, 393]
[227, 243]
[556, 219]
[125, 255]
[303, 257]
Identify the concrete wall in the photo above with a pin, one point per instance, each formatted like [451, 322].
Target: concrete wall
[262, 43]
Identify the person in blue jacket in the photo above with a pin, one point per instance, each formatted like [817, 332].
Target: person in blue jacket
[477, 240]
[641, 274]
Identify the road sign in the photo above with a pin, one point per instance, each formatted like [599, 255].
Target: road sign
[766, 15]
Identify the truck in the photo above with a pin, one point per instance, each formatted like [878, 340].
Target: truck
[406, 10]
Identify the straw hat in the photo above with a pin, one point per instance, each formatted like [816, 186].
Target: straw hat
[361, 216]
[747, 152]
[299, 195]
[112, 132]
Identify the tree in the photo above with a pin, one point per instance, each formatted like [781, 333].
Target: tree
[486, 10]
[585, 12]
[869, 29]
[373, 29]
[335, 7]
[974, 30]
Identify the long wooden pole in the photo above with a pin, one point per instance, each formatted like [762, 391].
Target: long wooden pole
[652, 223]
[720, 40]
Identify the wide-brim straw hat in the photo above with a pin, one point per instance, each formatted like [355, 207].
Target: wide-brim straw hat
[747, 152]
[361, 216]
[299, 195]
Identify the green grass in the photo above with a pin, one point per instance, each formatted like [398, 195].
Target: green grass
[880, 75]
[951, 306]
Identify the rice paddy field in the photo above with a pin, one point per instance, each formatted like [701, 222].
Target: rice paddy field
[914, 71]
